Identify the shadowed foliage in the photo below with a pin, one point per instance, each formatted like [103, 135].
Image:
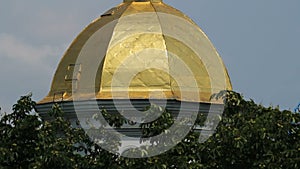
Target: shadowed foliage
[248, 136]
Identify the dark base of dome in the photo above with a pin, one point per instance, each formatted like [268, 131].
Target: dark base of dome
[71, 108]
[79, 110]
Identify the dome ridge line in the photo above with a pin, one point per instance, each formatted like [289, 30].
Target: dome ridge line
[163, 35]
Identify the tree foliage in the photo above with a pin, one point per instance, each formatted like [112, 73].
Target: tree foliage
[248, 136]
[26, 141]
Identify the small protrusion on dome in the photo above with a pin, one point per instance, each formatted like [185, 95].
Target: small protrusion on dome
[142, 1]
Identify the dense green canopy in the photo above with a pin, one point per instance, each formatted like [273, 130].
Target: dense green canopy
[248, 136]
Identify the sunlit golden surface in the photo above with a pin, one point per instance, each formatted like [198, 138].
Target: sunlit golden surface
[140, 50]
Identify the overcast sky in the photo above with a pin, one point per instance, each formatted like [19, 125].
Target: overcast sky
[259, 42]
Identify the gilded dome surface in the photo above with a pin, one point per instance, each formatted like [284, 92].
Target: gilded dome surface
[140, 49]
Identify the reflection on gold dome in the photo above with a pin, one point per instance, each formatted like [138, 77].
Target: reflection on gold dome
[137, 50]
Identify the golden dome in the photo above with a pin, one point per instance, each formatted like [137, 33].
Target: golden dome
[140, 49]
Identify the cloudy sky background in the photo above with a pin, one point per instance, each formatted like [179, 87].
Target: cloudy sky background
[258, 41]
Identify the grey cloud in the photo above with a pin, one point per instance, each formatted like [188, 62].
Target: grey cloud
[243, 33]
